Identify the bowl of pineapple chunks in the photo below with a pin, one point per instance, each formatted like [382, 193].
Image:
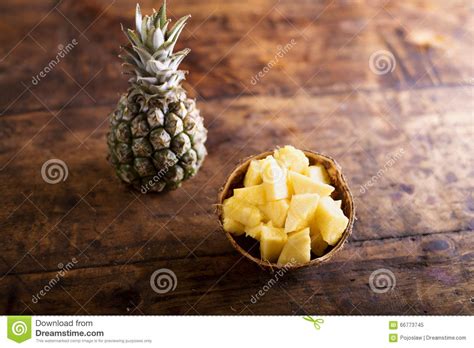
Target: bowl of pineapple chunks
[287, 208]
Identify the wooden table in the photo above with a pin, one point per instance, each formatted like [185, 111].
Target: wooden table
[403, 134]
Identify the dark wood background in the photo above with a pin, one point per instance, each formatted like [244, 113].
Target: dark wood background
[415, 220]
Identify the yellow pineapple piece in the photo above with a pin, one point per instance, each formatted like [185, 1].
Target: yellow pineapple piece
[254, 232]
[241, 211]
[272, 240]
[254, 194]
[276, 212]
[297, 249]
[274, 180]
[318, 244]
[329, 220]
[233, 227]
[292, 158]
[318, 173]
[302, 184]
[253, 176]
[301, 211]
[338, 203]
[289, 184]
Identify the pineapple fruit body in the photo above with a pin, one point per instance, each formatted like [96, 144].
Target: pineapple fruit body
[153, 150]
[157, 136]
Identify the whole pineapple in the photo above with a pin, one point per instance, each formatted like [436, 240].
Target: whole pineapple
[157, 136]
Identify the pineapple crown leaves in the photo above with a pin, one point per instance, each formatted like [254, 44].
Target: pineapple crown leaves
[149, 56]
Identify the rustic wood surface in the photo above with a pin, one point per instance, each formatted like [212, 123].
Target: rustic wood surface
[403, 138]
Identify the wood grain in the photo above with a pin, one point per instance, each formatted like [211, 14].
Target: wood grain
[425, 283]
[333, 43]
[403, 139]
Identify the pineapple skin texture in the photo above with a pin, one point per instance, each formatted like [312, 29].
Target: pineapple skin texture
[153, 148]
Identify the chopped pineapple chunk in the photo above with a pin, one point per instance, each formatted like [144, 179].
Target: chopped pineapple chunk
[291, 190]
[303, 184]
[274, 180]
[318, 244]
[272, 240]
[254, 173]
[276, 212]
[318, 173]
[301, 211]
[241, 211]
[329, 220]
[254, 232]
[292, 158]
[297, 249]
[253, 194]
[285, 204]
[233, 227]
